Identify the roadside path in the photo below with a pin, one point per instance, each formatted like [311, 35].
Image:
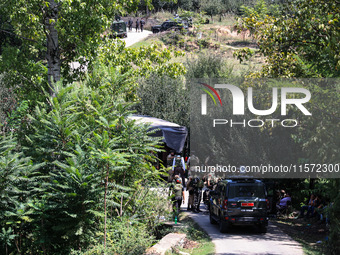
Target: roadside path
[134, 37]
[246, 240]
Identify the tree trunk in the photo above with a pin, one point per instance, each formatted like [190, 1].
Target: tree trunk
[52, 54]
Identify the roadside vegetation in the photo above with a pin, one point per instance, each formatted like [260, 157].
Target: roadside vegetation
[197, 241]
[76, 177]
[311, 234]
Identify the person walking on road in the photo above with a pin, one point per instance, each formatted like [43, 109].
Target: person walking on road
[137, 25]
[200, 185]
[142, 23]
[177, 193]
[190, 189]
[130, 23]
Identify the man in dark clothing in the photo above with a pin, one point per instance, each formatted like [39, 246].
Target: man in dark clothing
[130, 22]
[179, 171]
[190, 189]
[137, 25]
[179, 166]
[142, 23]
[199, 187]
[310, 207]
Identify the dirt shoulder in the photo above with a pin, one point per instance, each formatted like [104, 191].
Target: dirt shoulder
[310, 233]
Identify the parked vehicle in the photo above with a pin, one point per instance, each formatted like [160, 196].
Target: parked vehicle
[239, 202]
[173, 24]
[118, 28]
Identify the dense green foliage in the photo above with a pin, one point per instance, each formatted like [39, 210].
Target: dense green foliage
[302, 41]
[76, 175]
[82, 169]
[222, 6]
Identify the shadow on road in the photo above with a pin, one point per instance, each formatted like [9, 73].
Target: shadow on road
[246, 239]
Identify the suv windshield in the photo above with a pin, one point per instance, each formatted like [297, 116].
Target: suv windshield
[246, 190]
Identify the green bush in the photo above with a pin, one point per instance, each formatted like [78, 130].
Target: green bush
[134, 233]
[124, 237]
[208, 65]
[203, 43]
[165, 98]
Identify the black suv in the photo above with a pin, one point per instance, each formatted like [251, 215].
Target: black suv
[239, 202]
[118, 28]
[174, 24]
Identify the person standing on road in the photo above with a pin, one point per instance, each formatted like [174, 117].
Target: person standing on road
[177, 193]
[142, 23]
[130, 23]
[200, 186]
[179, 168]
[137, 25]
[190, 189]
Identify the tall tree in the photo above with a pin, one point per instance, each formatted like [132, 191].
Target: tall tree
[52, 52]
[212, 7]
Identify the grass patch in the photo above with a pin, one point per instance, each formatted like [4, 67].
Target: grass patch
[146, 42]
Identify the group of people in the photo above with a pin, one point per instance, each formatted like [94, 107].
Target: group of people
[178, 170]
[139, 24]
[316, 207]
[194, 187]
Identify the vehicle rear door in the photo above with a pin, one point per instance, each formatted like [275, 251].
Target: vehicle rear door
[247, 199]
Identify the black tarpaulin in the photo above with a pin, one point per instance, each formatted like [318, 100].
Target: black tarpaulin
[173, 134]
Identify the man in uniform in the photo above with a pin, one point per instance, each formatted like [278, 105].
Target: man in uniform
[137, 25]
[200, 186]
[130, 22]
[190, 189]
[142, 23]
[177, 193]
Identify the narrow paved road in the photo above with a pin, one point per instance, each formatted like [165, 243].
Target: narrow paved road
[134, 37]
[246, 240]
